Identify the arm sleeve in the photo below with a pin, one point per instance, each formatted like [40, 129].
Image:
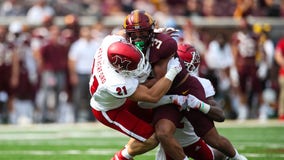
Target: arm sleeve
[164, 100]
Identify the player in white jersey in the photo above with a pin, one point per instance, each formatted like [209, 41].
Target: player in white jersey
[118, 69]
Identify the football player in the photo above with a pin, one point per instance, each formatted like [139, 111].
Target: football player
[158, 47]
[114, 85]
[193, 145]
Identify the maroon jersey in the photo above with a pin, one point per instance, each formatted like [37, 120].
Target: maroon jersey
[54, 57]
[247, 45]
[6, 54]
[246, 57]
[162, 47]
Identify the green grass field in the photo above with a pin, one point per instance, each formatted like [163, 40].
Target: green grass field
[93, 141]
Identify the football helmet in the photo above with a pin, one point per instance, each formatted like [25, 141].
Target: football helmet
[128, 60]
[189, 55]
[139, 27]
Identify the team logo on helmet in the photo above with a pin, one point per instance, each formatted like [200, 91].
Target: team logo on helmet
[120, 62]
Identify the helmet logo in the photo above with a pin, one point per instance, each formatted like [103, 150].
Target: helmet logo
[120, 63]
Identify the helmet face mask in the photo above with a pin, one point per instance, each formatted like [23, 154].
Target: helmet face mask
[139, 27]
[142, 72]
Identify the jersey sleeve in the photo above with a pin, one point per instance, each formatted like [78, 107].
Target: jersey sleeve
[208, 87]
[123, 89]
[162, 47]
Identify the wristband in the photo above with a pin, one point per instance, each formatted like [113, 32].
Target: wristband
[204, 107]
[171, 74]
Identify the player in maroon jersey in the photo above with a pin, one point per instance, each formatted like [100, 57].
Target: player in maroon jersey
[9, 69]
[244, 48]
[158, 48]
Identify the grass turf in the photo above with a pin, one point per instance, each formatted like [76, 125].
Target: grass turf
[92, 141]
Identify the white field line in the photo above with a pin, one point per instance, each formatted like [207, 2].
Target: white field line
[97, 126]
[23, 134]
[73, 152]
[58, 135]
[108, 152]
[250, 123]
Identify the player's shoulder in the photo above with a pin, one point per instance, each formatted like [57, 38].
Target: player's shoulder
[203, 80]
[165, 38]
[113, 38]
[207, 86]
[163, 45]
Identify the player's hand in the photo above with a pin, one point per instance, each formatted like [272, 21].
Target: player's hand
[169, 31]
[186, 102]
[172, 32]
[174, 64]
[193, 102]
[181, 101]
[173, 68]
[190, 102]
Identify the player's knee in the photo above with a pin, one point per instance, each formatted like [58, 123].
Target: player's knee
[164, 130]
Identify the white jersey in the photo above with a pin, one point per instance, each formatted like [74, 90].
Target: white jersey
[112, 89]
[186, 136]
[207, 86]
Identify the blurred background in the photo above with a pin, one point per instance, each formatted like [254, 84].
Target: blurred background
[46, 50]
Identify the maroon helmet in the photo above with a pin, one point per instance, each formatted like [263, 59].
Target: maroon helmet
[128, 60]
[139, 27]
[189, 55]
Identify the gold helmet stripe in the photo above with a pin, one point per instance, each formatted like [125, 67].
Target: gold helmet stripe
[136, 16]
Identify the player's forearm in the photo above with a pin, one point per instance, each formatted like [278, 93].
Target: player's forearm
[211, 109]
[215, 113]
[159, 89]
[163, 85]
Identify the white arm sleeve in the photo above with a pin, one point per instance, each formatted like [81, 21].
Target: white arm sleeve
[164, 100]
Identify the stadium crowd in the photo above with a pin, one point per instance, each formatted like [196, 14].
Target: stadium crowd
[45, 67]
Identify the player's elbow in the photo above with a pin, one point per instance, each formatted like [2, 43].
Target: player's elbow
[216, 114]
[220, 118]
